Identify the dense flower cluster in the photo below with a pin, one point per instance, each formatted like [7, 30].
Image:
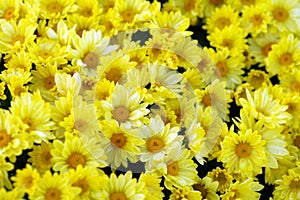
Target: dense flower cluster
[117, 100]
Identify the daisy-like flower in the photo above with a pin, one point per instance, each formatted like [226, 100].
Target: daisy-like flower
[180, 169]
[284, 56]
[16, 36]
[35, 114]
[81, 24]
[152, 186]
[285, 15]
[160, 140]
[65, 83]
[120, 143]
[54, 10]
[293, 103]
[210, 5]
[220, 18]
[88, 49]
[40, 157]
[289, 186]
[228, 68]
[12, 142]
[290, 81]
[15, 194]
[169, 23]
[261, 45]
[74, 152]
[207, 187]
[9, 10]
[247, 189]
[54, 186]
[231, 38]
[20, 60]
[123, 187]
[26, 179]
[263, 107]
[257, 78]
[222, 177]
[126, 106]
[255, 20]
[90, 8]
[244, 153]
[89, 180]
[185, 192]
[4, 168]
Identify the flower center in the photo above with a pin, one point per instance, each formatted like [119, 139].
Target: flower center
[128, 15]
[45, 54]
[172, 169]
[121, 114]
[28, 182]
[113, 75]
[189, 5]
[227, 43]
[4, 139]
[53, 194]
[118, 139]
[297, 141]
[257, 20]
[280, 14]
[295, 185]
[221, 178]
[83, 184]
[46, 157]
[91, 60]
[266, 49]
[222, 22]
[201, 189]
[80, 125]
[155, 144]
[291, 108]
[286, 59]
[117, 196]
[216, 2]
[206, 100]
[28, 121]
[87, 12]
[19, 38]
[54, 7]
[243, 150]
[76, 159]
[257, 79]
[49, 82]
[295, 86]
[222, 68]
[9, 13]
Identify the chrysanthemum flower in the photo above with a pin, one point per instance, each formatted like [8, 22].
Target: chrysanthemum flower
[90, 8]
[120, 143]
[220, 18]
[15, 194]
[244, 153]
[247, 189]
[89, 180]
[293, 103]
[123, 187]
[65, 83]
[152, 186]
[54, 186]
[290, 81]
[222, 177]
[255, 20]
[284, 56]
[9, 10]
[26, 179]
[257, 78]
[160, 140]
[207, 187]
[35, 114]
[185, 192]
[210, 5]
[40, 157]
[285, 15]
[20, 59]
[289, 186]
[82, 24]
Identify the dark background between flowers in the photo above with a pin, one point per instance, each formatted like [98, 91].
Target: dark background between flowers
[201, 36]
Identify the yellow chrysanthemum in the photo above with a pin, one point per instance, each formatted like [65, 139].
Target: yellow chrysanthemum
[222, 177]
[16, 36]
[152, 186]
[255, 19]
[9, 10]
[207, 187]
[285, 15]
[40, 157]
[65, 83]
[82, 24]
[26, 179]
[257, 78]
[284, 56]
[210, 5]
[15, 194]
[290, 81]
[74, 152]
[89, 180]
[54, 186]
[246, 190]
[20, 60]
[35, 114]
[244, 153]
[90, 8]
[123, 187]
[220, 18]
[120, 143]
[186, 193]
[289, 186]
